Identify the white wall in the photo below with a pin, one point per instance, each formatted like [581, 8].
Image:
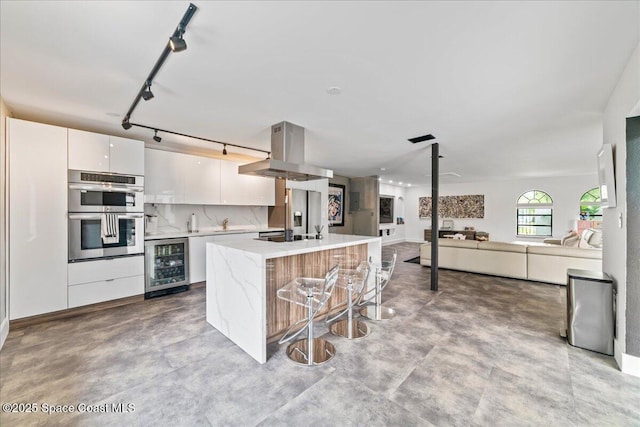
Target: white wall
[622, 101]
[396, 231]
[4, 296]
[500, 199]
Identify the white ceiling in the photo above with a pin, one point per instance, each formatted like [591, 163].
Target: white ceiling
[510, 89]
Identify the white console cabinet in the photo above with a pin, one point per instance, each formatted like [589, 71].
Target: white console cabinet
[37, 218]
[103, 153]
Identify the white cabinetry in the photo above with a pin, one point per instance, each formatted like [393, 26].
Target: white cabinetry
[127, 156]
[164, 177]
[103, 280]
[202, 180]
[37, 218]
[103, 153]
[184, 178]
[88, 151]
[248, 190]
[198, 256]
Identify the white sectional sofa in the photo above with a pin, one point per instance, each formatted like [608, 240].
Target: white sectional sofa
[548, 263]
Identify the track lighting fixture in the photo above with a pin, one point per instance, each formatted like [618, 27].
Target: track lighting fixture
[127, 125]
[147, 94]
[177, 43]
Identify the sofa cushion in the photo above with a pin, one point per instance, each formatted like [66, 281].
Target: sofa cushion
[503, 247]
[565, 251]
[469, 244]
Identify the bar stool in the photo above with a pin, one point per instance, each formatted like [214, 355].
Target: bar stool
[373, 304]
[313, 294]
[353, 279]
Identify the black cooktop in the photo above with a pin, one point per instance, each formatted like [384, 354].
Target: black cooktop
[272, 238]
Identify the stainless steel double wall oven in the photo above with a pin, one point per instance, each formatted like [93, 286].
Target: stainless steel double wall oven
[91, 196]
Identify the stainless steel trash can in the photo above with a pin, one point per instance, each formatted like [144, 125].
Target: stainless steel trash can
[590, 317]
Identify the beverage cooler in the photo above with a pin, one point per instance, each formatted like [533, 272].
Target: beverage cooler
[166, 266]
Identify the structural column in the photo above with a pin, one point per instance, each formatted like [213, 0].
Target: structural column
[435, 184]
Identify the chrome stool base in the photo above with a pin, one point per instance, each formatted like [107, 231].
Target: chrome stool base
[322, 353]
[341, 329]
[377, 313]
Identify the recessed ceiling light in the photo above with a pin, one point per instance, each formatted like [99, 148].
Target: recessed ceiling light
[383, 169]
[400, 183]
[408, 185]
[334, 90]
[379, 179]
[390, 181]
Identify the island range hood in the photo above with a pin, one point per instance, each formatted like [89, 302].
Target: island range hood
[287, 157]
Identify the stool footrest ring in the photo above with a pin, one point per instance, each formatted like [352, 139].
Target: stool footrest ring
[322, 353]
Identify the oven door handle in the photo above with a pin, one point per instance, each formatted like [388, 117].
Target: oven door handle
[99, 216]
[107, 188]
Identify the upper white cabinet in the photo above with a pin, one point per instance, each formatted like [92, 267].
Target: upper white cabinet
[127, 156]
[184, 178]
[202, 180]
[103, 153]
[88, 151]
[164, 177]
[37, 218]
[249, 190]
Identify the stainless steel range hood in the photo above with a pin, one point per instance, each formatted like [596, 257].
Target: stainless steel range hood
[287, 157]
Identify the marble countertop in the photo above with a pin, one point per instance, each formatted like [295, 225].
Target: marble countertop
[207, 232]
[266, 249]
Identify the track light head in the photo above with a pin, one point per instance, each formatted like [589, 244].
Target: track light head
[224, 150]
[156, 138]
[125, 123]
[177, 43]
[147, 94]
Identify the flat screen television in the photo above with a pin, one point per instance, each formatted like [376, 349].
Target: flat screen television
[386, 209]
[606, 177]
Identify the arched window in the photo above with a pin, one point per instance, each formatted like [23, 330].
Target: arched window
[535, 214]
[590, 205]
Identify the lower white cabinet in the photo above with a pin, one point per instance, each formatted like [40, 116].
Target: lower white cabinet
[198, 256]
[106, 290]
[91, 282]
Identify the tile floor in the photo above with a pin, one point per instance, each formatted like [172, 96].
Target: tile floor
[481, 351]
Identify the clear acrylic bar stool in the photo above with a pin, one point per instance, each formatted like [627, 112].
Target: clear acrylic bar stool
[352, 277]
[313, 294]
[373, 308]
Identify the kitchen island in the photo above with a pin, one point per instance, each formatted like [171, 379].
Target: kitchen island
[243, 277]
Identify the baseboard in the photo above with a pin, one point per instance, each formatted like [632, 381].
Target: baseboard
[630, 365]
[4, 331]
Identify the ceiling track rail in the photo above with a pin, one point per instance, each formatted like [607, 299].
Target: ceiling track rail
[177, 34]
[225, 144]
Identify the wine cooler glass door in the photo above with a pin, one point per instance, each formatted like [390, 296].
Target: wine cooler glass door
[167, 264]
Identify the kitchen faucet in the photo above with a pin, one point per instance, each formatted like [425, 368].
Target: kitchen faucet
[225, 222]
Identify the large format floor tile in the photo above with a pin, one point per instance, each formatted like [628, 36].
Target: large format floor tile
[480, 351]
